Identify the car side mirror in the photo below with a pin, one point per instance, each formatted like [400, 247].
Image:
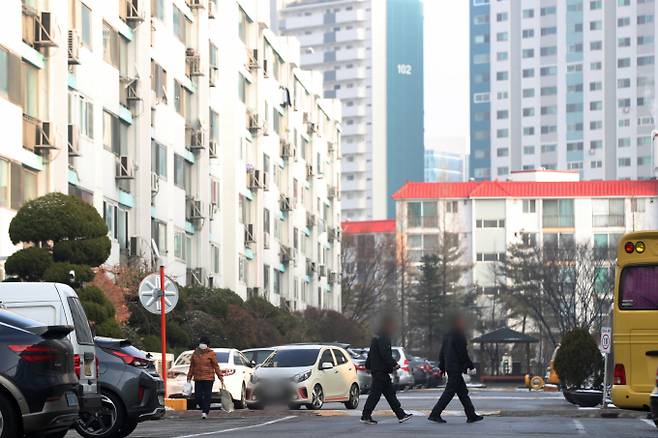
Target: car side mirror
[252, 364]
[326, 366]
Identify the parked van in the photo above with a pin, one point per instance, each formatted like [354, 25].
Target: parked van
[58, 304]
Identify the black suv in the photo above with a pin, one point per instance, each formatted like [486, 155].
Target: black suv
[131, 391]
[38, 384]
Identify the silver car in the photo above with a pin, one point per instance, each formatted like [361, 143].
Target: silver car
[403, 377]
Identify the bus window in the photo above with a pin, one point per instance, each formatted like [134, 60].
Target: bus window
[638, 288]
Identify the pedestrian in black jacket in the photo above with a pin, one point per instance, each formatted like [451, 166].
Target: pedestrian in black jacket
[454, 361]
[381, 364]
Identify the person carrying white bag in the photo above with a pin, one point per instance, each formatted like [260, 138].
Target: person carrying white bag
[203, 368]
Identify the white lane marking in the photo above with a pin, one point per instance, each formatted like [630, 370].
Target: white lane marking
[253, 426]
[477, 397]
[649, 422]
[579, 427]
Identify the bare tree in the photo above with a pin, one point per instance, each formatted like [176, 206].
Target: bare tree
[561, 287]
[368, 274]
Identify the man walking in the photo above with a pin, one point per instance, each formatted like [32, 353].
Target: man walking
[381, 364]
[454, 361]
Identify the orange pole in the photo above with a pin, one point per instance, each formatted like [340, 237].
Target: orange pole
[163, 328]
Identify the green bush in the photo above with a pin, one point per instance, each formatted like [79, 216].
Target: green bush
[55, 217]
[59, 273]
[92, 252]
[100, 311]
[578, 361]
[29, 264]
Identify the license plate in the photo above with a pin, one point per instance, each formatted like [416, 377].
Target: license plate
[71, 399]
[161, 399]
[87, 368]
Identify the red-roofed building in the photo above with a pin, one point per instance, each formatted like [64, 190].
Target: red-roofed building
[369, 227]
[490, 215]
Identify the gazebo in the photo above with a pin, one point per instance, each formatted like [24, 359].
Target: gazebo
[503, 335]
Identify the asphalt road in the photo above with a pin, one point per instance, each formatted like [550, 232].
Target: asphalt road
[510, 413]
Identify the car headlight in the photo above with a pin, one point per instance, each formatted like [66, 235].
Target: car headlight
[302, 376]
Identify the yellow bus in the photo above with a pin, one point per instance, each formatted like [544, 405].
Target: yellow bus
[635, 320]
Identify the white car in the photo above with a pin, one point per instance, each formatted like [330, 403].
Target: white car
[306, 375]
[235, 369]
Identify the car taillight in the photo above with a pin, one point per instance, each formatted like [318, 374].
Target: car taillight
[76, 364]
[34, 353]
[131, 360]
[619, 377]
[227, 371]
[360, 368]
[405, 365]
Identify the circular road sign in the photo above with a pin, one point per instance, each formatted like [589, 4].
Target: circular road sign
[605, 339]
[149, 294]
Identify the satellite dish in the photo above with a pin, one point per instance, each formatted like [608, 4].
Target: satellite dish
[149, 294]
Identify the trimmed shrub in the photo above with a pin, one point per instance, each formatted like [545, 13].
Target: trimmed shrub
[29, 264]
[59, 273]
[578, 361]
[92, 252]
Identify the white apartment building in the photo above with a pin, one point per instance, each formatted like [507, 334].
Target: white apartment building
[187, 124]
[563, 84]
[545, 207]
[370, 53]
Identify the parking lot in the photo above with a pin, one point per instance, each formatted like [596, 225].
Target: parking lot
[510, 413]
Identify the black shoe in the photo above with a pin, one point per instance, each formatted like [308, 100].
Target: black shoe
[405, 418]
[437, 420]
[368, 421]
[475, 419]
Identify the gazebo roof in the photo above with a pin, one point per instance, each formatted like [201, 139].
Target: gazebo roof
[504, 335]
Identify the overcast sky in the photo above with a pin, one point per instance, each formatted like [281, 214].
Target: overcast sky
[446, 69]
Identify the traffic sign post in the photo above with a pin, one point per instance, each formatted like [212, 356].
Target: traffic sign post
[159, 295]
[606, 344]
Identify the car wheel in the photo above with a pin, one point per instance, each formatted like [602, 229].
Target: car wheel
[353, 402]
[104, 422]
[242, 403]
[128, 428]
[317, 398]
[8, 423]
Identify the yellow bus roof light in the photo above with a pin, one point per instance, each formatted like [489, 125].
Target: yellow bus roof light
[629, 247]
[640, 247]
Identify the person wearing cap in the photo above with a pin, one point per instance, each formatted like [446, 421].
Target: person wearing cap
[203, 368]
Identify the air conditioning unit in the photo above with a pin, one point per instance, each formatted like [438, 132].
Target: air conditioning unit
[45, 139]
[195, 210]
[284, 203]
[155, 184]
[285, 255]
[310, 220]
[249, 236]
[74, 47]
[125, 168]
[266, 240]
[253, 121]
[213, 76]
[332, 192]
[287, 149]
[194, 65]
[322, 271]
[132, 12]
[212, 149]
[332, 277]
[195, 276]
[252, 63]
[310, 267]
[212, 9]
[73, 140]
[309, 170]
[312, 128]
[331, 234]
[128, 90]
[196, 4]
[196, 138]
[45, 31]
[306, 117]
[256, 179]
[331, 147]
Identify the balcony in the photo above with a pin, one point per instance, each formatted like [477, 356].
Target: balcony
[351, 73]
[343, 36]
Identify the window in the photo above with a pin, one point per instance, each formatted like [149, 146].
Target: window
[490, 223]
[242, 88]
[452, 207]
[624, 162]
[182, 173]
[340, 357]
[110, 45]
[159, 235]
[182, 246]
[84, 119]
[159, 80]
[30, 90]
[81, 325]
[180, 25]
[4, 183]
[422, 214]
[558, 213]
[243, 25]
[157, 9]
[638, 205]
[529, 205]
[159, 159]
[109, 215]
[607, 212]
[529, 239]
[327, 358]
[528, 150]
[638, 289]
[86, 25]
[557, 243]
[115, 134]
[182, 99]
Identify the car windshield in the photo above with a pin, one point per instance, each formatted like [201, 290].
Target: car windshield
[302, 357]
[638, 288]
[184, 358]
